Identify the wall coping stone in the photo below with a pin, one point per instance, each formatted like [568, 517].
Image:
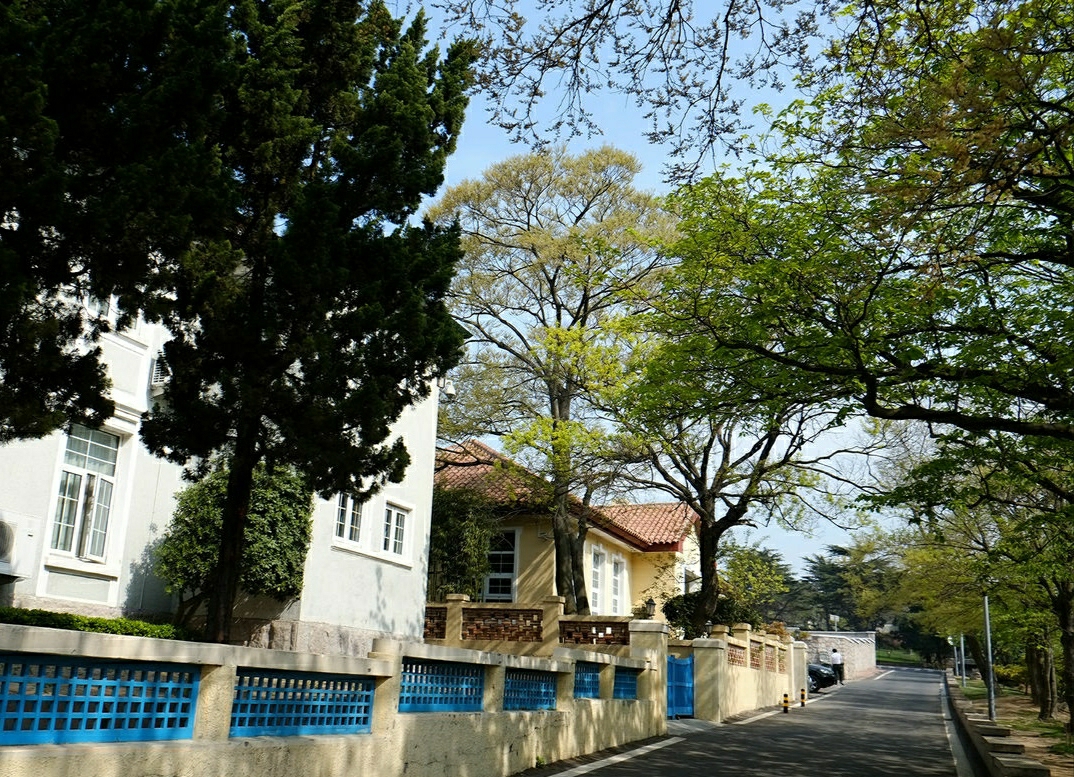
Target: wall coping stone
[84, 644]
[575, 655]
[481, 657]
[656, 627]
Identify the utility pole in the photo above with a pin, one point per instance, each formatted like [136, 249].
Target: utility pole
[991, 665]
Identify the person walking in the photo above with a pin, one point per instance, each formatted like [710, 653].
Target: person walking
[837, 665]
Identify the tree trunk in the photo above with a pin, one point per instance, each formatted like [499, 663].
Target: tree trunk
[1035, 671]
[1063, 605]
[1040, 663]
[232, 536]
[564, 561]
[581, 594]
[978, 653]
[709, 538]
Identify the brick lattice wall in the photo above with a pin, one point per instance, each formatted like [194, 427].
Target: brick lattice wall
[505, 625]
[435, 622]
[736, 655]
[594, 633]
[755, 654]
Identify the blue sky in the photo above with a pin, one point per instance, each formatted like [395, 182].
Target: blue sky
[481, 144]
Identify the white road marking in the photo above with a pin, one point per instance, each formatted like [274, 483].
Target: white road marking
[614, 759]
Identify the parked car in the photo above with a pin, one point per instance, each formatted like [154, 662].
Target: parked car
[820, 676]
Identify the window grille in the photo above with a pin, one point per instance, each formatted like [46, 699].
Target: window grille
[64, 700]
[626, 683]
[293, 703]
[586, 680]
[526, 689]
[439, 686]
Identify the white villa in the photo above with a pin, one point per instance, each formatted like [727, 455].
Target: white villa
[365, 573]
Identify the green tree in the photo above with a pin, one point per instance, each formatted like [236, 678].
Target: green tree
[685, 427]
[276, 541]
[909, 248]
[854, 583]
[751, 580]
[310, 312]
[1003, 503]
[463, 524]
[104, 173]
[556, 246]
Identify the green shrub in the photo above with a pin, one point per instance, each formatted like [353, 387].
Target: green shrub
[1011, 675]
[278, 527]
[64, 620]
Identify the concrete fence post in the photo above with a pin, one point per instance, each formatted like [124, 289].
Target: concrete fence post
[553, 611]
[495, 684]
[453, 619]
[649, 641]
[710, 675]
[799, 665]
[741, 632]
[387, 689]
[607, 681]
[216, 694]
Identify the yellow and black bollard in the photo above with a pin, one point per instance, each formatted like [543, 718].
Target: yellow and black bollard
[802, 694]
[786, 702]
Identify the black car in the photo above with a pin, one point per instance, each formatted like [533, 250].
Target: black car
[820, 676]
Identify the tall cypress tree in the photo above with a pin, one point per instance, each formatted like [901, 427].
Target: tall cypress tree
[104, 174]
[309, 312]
[245, 173]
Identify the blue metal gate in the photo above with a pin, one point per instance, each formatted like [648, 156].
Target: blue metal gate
[680, 687]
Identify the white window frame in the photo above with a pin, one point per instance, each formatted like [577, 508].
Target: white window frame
[85, 496]
[486, 595]
[599, 558]
[395, 530]
[348, 524]
[618, 580]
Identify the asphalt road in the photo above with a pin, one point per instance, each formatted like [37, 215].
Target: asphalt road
[890, 725]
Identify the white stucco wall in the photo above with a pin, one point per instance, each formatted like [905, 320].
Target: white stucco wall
[141, 502]
[361, 595]
[363, 587]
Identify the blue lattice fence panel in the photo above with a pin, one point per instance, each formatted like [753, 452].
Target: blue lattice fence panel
[441, 686]
[270, 703]
[680, 687]
[586, 680]
[527, 689]
[63, 700]
[626, 683]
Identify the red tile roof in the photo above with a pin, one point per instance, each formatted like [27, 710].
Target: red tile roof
[474, 465]
[655, 523]
[649, 527]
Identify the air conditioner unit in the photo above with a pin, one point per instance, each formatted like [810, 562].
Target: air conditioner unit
[158, 377]
[9, 548]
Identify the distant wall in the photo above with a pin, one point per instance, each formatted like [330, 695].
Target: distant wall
[738, 670]
[858, 649]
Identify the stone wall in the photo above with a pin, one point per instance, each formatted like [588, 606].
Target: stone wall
[858, 649]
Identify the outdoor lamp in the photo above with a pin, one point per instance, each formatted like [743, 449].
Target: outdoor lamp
[650, 607]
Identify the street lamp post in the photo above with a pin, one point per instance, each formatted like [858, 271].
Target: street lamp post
[991, 664]
[962, 652]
